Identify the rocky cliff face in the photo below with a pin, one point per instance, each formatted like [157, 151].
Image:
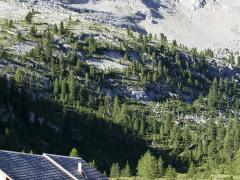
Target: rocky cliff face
[196, 23]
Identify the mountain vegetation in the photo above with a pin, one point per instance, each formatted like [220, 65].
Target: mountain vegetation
[162, 110]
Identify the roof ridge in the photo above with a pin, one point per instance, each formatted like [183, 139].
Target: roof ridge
[59, 166]
[30, 154]
[65, 156]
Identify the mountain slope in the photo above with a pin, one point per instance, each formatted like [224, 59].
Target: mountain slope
[202, 24]
[74, 77]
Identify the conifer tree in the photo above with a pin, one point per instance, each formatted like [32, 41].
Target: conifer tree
[115, 170]
[228, 144]
[142, 128]
[236, 140]
[33, 31]
[74, 153]
[86, 78]
[10, 24]
[82, 95]
[160, 167]
[125, 56]
[29, 17]
[135, 123]
[56, 87]
[63, 90]
[61, 28]
[123, 115]
[170, 172]
[72, 88]
[192, 170]
[55, 29]
[235, 164]
[213, 95]
[116, 108]
[92, 46]
[126, 172]
[155, 76]
[92, 164]
[18, 76]
[19, 36]
[147, 166]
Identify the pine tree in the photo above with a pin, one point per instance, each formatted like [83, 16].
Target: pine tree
[140, 38]
[61, 28]
[55, 29]
[236, 140]
[91, 72]
[170, 172]
[116, 108]
[228, 145]
[212, 150]
[125, 56]
[213, 95]
[212, 131]
[147, 166]
[235, 164]
[19, 36]
[163, 39]
[33, 31]
[162, 132]
[82, 95]
[129, 30]
[72, 88]
[92, 164]
[86, 78]
[56, 87]
[115, 170]
[160, 167]
[155, 76]
[18, 76]
[63, 90]
[159, 68]
[7, 132]
[29, 17]
[135, 123]
[10, 24]
[79, 65]
[92, 46]
[123, 115]
[74, 153]
[126, 172]
[192, 170]
[150, 37]
[142, 128]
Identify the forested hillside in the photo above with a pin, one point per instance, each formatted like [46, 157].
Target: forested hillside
[131, 104]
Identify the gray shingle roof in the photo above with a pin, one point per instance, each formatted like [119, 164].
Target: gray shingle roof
[70, 164]
[35, 167]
